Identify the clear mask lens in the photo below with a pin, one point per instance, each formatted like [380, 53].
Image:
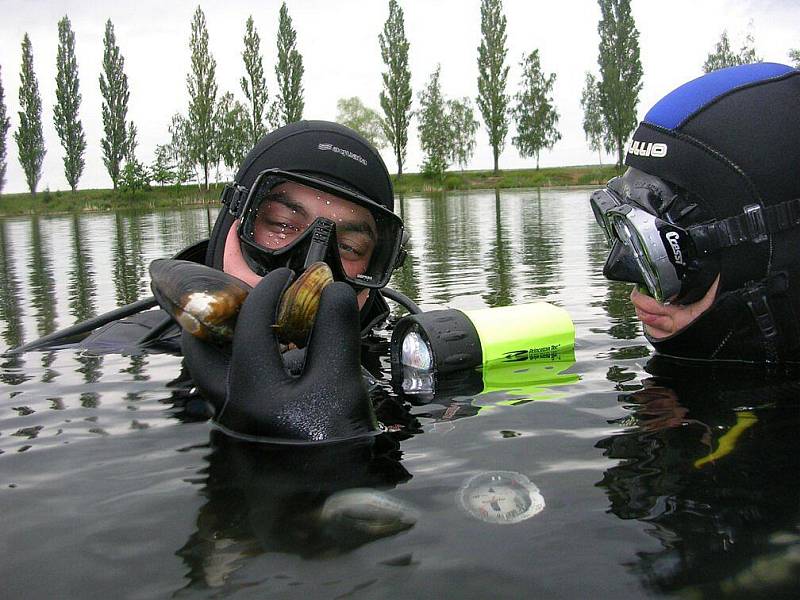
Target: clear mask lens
[280, 213]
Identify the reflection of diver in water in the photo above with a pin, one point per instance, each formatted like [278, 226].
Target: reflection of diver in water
[304, 499]
[710, 458]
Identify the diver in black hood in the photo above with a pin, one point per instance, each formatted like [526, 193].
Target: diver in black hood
[308, 193]
[706, 220]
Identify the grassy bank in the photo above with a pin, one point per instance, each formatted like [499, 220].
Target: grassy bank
[510, 178]
[105, 200]
[171, 197]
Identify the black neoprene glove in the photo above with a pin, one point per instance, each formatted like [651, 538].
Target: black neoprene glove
[255, 394]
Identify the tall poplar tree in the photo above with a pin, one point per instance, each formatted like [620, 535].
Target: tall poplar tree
[5, 123]
[620, 71]
[463, 127]
[536, 117]
[594, 126]
[202, 86]
[114, 88]
[254, 85]
[435, 135]
[396, 94]
[492, 75]
[68, 102]
[289, 72]
[30, 142]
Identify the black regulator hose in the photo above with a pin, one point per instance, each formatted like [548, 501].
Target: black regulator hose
[87, 326]
[402, 300]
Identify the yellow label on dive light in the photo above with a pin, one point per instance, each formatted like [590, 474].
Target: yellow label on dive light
[525, 332]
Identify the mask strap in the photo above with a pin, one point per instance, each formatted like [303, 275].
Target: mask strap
[233, 196]
[753, 225]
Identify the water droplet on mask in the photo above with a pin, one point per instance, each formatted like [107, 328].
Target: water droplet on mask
[327, 201]
[282, 236]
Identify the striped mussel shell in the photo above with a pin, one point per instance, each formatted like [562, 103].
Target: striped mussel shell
[300, 303]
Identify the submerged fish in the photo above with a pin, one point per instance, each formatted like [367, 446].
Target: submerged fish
[206, 302]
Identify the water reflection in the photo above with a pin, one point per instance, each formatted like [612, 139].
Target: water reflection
[709, 459]
[289, 499]
[10, 300]
[406, 278]
[129, 267]
[500, 281]
[541, 245]
[43, 297]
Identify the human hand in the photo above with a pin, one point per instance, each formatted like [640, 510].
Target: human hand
[662, 320]
[255, 393]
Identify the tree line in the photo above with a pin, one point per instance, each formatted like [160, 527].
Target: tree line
[217, 128]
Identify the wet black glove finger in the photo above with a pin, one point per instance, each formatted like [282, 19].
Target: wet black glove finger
[208, 365]
[327, 401]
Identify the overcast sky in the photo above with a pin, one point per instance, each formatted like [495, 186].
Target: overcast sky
[339, 43]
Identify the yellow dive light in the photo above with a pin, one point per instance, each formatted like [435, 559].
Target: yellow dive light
[449, 340]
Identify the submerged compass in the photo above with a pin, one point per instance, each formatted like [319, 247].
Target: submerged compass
[501, 497]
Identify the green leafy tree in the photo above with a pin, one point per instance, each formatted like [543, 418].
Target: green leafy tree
[254, 85]
[463, 128]
[68, 102]
[5, 124]
[201, 84]
[30, 141]
[723, 56]
[594, 126]
[114, 88]
[162, 171]
[134, 177]
[396, 94]
[794, 55]
[620, 71]
[536, 117]
[352, 113]
[180, 151]
[435, 134]
[233, 141]
[289, 72]
[492, 75]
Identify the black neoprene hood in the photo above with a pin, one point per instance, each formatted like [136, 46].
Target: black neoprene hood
[318, 148]
[731, 139]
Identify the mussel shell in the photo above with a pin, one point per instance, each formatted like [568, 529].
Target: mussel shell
[299, 304]
[204, 301]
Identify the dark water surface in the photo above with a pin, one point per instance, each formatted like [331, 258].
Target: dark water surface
[606, 481]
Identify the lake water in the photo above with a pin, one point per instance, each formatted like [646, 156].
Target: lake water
[585, 477]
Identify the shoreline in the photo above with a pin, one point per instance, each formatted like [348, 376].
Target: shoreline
[107, 200]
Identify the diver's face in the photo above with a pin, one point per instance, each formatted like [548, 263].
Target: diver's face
[290, 208]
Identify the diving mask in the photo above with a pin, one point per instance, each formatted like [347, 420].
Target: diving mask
[291, 219]
[670, 260]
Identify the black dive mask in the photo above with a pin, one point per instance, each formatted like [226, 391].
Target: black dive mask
[674, 262]
[292, 220]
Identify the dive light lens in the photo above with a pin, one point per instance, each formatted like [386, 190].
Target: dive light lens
[415, 351]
